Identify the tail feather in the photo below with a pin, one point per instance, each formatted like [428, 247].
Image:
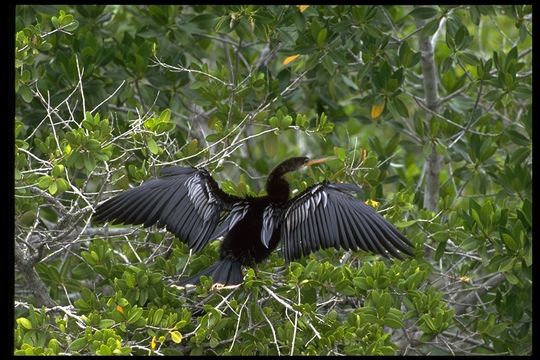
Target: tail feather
[226, 272]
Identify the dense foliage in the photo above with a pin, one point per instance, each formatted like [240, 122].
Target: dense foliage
[427, 108]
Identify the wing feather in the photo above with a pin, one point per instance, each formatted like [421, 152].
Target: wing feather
[354, 239]
[341, 234]
[374, 241]
[348, 237]
[187, 201]
[332, 223]
[326, 215]
[323, 213]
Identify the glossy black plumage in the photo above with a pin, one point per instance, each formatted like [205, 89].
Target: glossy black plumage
[190, 204]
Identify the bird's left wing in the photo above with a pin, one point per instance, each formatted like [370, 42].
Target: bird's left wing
[186, 200]
[325, 215]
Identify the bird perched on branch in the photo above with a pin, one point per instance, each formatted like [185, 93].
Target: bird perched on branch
[190, 204]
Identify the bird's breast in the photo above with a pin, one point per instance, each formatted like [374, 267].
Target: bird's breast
[243, 241]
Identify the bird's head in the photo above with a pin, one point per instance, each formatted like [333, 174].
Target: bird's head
[296, 163]
[276, 186]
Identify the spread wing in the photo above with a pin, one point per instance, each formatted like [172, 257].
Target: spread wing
[325, 215]
[186, 200]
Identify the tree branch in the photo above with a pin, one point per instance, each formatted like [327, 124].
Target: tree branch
[473, 297]
[25, 264]
[433, 164]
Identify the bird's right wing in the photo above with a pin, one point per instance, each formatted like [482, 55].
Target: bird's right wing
[186, 200]
[325, 215]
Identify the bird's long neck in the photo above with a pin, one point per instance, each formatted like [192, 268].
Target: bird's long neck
[277, 187]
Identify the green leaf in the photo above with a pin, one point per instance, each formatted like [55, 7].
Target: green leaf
[58, 170]
[25, 76]
[214, 343]
[424, 12]
[506, 265]
[429, 323]
[528, 256]
[285, 122]
[460, 35]
[89, 162]
[340, 153]
[517, 137]
[158, 315]
[104, 350]
[345, 288]
[512, 279]
[134, 314]
[25, 323]
[55, 21]
[273, 121]
[260, 117]
[180, 324]
[394, 318]
[53, 188]
[143, 297]
[270, 144]
[349, 82]
[430, 28]
[54, 345]
[321, 38]
[361, 283]
[152, 146]
[73, 25]
[405, 224]
[82, 271]
[214, 137]
[468, 58]
[93, 145]
[302, 121]
[405, 54]
[62, 185]
[165, 116]
[26, 93]
[142, 279]
[78, 344]
[106, 323]
[475, 216]
[440, 250]
[176, 336]
[400, 107]
[510, 243]
[527, 212]
[45, 181]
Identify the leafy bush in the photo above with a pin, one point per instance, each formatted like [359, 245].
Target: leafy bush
[428, 108]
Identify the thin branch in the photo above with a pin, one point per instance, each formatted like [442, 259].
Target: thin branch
[471, 298]
[238, 322]
[289, 307]
[108, 97]
[273, 331]
[80, 74]
[295, 324]
[424, 107]
[180, 68]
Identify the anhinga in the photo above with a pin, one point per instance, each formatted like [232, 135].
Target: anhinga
[192, 206]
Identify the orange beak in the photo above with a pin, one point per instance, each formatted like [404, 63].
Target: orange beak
[318, 161]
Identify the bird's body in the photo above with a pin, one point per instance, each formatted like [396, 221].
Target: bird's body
[243, 242]
[191, 205]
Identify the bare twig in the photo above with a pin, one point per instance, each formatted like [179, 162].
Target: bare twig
[471, 298]
[108, 97]
[80, 74]
[295, 324]
[238, 322]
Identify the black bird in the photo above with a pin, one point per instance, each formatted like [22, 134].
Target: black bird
[190, 204]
